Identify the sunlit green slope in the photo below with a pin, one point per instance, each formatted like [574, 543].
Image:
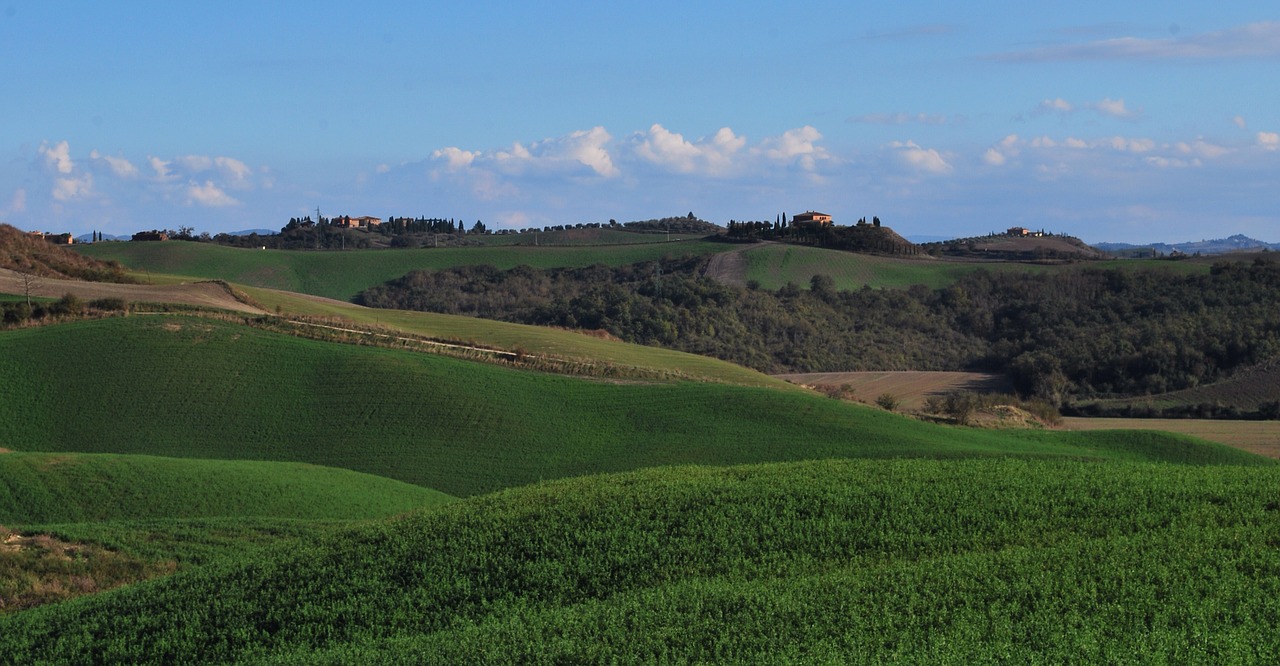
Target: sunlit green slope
[70, 488]
[342, 275]
[915, 561]
[198, 388]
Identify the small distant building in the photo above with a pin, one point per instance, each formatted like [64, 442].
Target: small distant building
[811, 217]
[56, 239]
[1018, 231]
[362, 222]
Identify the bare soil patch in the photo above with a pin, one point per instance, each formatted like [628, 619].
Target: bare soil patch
[204, 294]
[911, 388]
[728, 267]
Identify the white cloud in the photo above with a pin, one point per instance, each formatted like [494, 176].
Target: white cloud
[1201, 148]
[194, 163]
[1269, 140]
[383, 168]
[455, 158]
[209, 195]
[1124, 144]
[57, 156]
[1172, 162]
[161, 167]
[65, 189]
[927, 160]
[1239, 122]
[118, 165]
[1057, 105]
[232, 167]
[797, 146]
[566, 153]
[1000, 153]
[713, 156]
[1255, 40]
[1114, 108]
[228, 166]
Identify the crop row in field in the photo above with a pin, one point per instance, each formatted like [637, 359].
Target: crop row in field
[977, 561]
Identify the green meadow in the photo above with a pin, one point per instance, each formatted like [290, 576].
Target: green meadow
[177, 488]
[915, 561]
[773, 265]
[344, 274]
[76, 487]
[188, 387]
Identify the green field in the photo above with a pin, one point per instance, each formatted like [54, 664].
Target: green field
[774, 264]
[73, 488]
[913, 561]
[178, 488]
[580, 237]
[196, 388]
[342, 275]
[539, 340]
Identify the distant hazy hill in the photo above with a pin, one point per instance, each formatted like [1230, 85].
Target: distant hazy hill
[1236, 243]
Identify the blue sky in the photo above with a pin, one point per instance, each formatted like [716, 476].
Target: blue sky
[1138, 121]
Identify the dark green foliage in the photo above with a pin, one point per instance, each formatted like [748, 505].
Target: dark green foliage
[914, 561]
[667, 304]
[860, 237]
[686, 224]
[1083, 332]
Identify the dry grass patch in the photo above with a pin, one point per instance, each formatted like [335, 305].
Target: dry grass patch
[39, 569]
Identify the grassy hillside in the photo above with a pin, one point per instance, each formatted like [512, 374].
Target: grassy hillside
[71, 488]
[194, 388]
[342, 275]
[775, 264]
[536, 340]
[579, 237]
[980, 561]
[34, 256]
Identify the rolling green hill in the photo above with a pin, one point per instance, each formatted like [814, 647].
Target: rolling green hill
[579, 237]
[72, 488]
[915, 561]
[342, 275]
[198, 388]
[774, 265]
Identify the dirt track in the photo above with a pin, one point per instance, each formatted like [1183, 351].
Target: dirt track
[728, 267]
[205, 294]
